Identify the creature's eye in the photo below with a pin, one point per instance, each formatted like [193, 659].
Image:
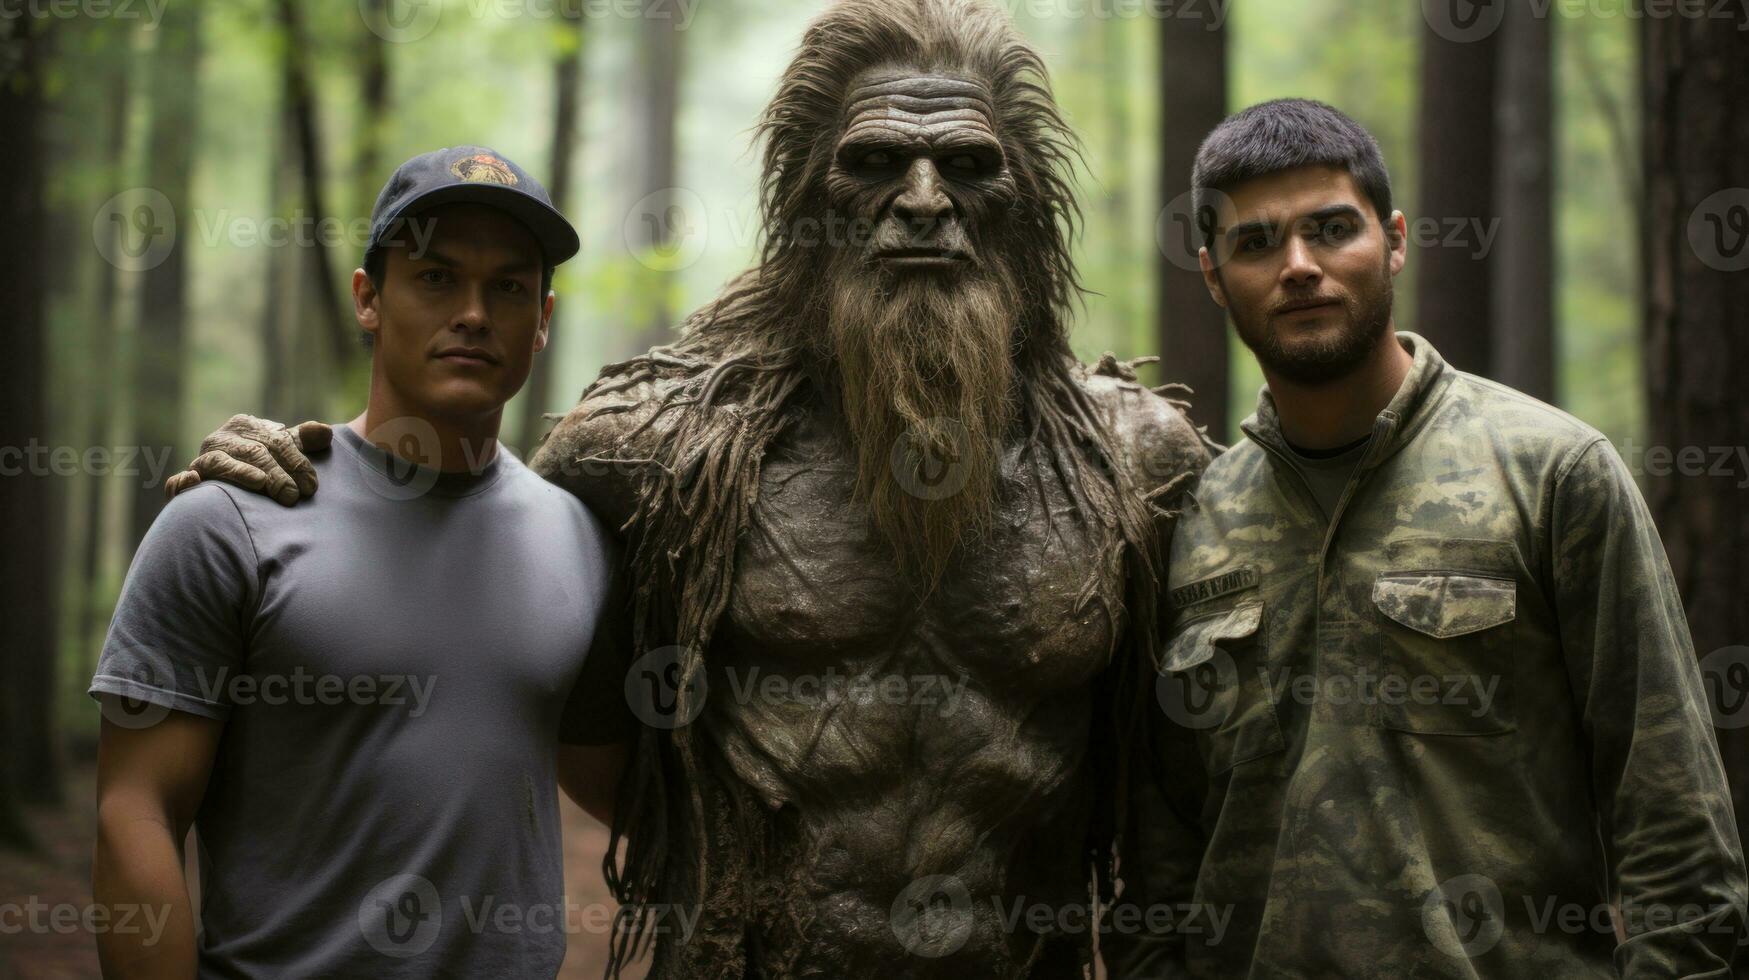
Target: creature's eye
[965, 162]
[877, 158]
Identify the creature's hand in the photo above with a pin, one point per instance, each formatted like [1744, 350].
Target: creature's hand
[259, 455]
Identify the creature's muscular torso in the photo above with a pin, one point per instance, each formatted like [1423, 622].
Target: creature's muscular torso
[931, 752]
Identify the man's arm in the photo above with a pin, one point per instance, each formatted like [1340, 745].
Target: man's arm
[149, 784]
[1660, 787]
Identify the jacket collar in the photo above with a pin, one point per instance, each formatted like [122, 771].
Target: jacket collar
[1407, 412]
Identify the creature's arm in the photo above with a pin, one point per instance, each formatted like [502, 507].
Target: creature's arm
[259, 455]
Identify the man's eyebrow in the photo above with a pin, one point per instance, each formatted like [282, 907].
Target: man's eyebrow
[1319, 216]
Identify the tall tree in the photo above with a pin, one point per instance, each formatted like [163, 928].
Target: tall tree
[28, 763]
[1695, 260]
[659, 219]
[567, 102]
[1453, 287]
[1523, 311]
[105, 331]
[1192, 330]
[330, 320]
[174, 104]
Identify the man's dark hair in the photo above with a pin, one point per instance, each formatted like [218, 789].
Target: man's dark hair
[376, 260]
[1285, 134]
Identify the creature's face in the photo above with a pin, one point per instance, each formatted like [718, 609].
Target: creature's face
[1304, 266]
[919, 168]
[458, 320]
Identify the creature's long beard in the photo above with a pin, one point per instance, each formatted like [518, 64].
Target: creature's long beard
[926, 368]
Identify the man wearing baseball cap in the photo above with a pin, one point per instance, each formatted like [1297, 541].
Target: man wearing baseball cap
[359, 705]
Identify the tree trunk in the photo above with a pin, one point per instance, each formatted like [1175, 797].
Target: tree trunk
[28, 763]
[1524, 265]
[567, 78]
[323, 282]
[105, 333]
[1696, 251]
[1457, 194]
[1192, 329]
[659, 92]
[158, 346]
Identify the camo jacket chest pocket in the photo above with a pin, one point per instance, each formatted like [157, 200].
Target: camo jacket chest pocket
[1214, 678]
[1445, 610]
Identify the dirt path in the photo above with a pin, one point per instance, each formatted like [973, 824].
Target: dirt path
[57, 883]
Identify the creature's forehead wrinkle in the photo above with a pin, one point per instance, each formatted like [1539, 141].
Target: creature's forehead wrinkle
[917, 95]
[901, 125]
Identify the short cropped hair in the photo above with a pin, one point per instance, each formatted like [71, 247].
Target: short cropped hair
[1285, 134]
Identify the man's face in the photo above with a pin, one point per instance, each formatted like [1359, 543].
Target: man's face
[458, 323]
[1304, 267]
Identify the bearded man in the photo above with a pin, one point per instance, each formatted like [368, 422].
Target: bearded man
[869, 473]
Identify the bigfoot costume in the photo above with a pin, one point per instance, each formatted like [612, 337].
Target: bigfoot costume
[874, 457]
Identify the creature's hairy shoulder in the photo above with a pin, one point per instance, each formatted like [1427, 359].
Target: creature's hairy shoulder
[1152, 436]
[600, 450]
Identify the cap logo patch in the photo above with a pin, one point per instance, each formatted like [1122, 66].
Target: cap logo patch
[483, 168]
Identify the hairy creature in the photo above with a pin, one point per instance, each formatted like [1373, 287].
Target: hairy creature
[874, 457]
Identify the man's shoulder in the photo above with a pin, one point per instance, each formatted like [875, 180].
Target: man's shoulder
[1151, 430]
[1534, 429]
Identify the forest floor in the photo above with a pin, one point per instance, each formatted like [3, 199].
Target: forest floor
[59, 878]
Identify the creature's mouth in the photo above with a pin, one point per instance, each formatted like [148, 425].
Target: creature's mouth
[921, 258]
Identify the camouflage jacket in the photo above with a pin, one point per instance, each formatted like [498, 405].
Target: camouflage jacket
[1439, 734]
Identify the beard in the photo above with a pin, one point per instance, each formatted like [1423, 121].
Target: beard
[1333, 353]
[925, 364]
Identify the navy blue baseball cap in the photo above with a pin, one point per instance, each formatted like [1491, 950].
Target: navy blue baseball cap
[476, 175]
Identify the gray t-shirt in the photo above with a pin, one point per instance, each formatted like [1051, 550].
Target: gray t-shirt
[394, 663]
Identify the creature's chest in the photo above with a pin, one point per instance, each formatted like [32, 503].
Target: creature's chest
[815, 585]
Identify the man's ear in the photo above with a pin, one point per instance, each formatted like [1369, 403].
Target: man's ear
[1210, 279]
[1397, 238]
[546, 323]
[364, 302]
